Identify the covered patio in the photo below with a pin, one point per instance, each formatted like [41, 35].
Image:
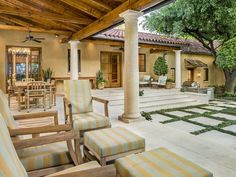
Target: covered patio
[105, 125]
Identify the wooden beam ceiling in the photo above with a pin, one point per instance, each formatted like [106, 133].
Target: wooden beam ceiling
[82, 18]
[112, 17]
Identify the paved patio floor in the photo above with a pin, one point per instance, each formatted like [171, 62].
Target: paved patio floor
[216, 156]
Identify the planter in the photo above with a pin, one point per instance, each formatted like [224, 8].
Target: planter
[101, 85]
[170, 85]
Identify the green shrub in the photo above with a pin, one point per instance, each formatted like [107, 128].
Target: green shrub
[160, 66]
[146, 115]
[141, 92]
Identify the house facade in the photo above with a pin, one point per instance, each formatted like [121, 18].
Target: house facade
[103, 51]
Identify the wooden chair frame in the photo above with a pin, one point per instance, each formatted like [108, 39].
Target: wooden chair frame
[62, 133]
[69, 115]
[106, 171]
[35, 90]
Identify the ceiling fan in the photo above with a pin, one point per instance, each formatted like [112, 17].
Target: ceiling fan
[32, 38]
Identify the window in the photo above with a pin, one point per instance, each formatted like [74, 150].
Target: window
[142, 62]
[79, 61]
[172, 74]
[206, 74]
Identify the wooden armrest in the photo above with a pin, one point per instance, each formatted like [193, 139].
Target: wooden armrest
[38, 141]
[105, 171]
[38, 130]
[105, 102]
[53, 114]
[101, 100]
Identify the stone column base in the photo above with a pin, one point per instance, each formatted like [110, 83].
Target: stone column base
[130, 120]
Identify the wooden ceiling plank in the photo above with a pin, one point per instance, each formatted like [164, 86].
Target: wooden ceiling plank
[62, 10]
[84, 8]
[47, 15]
[19, 4]
[99, 4]
[111, 18]
[39, 30]
[16, 21]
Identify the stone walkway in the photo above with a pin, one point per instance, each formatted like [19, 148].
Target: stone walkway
[207, 121]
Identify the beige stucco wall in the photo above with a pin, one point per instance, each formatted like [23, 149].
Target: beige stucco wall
[54, 55]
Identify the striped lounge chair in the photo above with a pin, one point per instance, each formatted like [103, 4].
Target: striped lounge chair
[11, 165]
[78, 107]
[158, 163]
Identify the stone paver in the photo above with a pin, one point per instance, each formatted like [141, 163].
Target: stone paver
[227, 105]
[185, 126]
[231, 128]
[197, 110]
[213, 108]
[179, 113]
[206, 121]
[226, 116]
[159, 117]
[223, 138]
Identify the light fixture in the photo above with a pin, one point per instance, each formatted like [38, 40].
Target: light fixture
[57, 35]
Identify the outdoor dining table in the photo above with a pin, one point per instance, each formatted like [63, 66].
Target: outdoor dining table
[22, 86]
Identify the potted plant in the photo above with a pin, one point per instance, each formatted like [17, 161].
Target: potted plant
[47, 74]
[100, 81]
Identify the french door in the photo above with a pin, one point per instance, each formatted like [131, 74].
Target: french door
[111, 68]
[23, 62]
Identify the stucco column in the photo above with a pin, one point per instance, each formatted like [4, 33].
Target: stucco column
[178, 69]
[74, 60]
[131, 71]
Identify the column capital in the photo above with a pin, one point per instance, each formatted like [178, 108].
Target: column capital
[73, 42]
[177, 50]
[131, 14]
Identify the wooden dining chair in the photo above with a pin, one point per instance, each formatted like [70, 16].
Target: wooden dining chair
[35, 91]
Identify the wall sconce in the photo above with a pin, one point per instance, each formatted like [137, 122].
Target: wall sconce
[199, 75]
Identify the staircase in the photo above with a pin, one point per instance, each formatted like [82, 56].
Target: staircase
[153, 99]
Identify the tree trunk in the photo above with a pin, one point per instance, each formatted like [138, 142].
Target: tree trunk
[229, 80]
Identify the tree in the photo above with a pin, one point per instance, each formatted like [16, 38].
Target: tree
[226, 59]
[211, 22]
[160, 67]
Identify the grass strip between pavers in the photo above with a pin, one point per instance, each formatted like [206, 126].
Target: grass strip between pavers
[219, 127]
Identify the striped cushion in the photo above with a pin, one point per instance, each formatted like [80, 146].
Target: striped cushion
[89, 120]
[45, 156]
[113, 141]
[78, 92]
[82, 167]
[158, 163]
[5, 111]
[10, 165]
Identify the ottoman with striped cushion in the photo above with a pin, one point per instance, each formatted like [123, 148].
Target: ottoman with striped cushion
[111, 143]
[158, 163]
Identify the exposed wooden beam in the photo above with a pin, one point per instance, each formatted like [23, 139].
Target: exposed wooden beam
[84, 8]
[45, 15]
[15, 20]
[58, 8]
[39, 30]
[113, 17]
[19, 4]
[98, 4]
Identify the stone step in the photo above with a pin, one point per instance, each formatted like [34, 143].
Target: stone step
[153, 99]
[179, 103]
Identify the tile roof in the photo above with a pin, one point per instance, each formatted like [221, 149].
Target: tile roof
[187, 45]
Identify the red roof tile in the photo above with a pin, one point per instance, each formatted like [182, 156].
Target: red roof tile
[187, 45]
